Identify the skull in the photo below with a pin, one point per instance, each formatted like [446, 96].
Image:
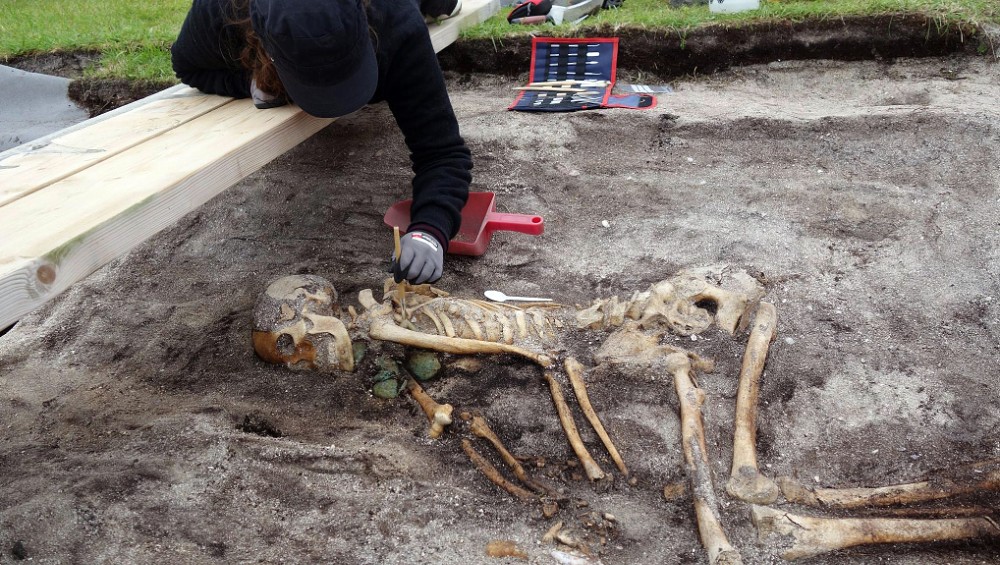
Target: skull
[296, 322]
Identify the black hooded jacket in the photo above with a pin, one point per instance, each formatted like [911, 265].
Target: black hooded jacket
[206, 56]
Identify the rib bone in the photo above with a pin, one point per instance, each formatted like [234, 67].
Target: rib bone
[593, 470]
[814, 536]
[746, 481]
[574, 370]
[706, 505]
[383, 328]
[438, 414]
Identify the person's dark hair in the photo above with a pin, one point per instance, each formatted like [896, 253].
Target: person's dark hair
[253, 56]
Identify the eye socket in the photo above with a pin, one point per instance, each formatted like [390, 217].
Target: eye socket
[708, 304]
[285, 344]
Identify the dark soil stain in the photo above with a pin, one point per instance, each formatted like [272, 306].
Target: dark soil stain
[710, 49]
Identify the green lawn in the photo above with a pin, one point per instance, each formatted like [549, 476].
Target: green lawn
[134, 35]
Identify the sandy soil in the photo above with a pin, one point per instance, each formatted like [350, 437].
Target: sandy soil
[139, 427]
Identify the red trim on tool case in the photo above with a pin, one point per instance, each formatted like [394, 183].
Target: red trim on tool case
[534, 52]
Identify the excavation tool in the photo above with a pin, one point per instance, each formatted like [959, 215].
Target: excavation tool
[479, 220]
[497, 296]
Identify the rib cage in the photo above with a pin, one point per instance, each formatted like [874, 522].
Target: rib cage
[481, 320]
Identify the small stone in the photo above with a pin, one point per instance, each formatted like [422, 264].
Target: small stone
[606, 223]
[789, 341]
[550, 508]
[674, 491]
[424, 365]
[388, 388]
[469, 365]
[610, 517]
[505, 548]
[19, 551]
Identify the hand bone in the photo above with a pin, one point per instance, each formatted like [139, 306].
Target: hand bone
[479, 428]
[439, 415]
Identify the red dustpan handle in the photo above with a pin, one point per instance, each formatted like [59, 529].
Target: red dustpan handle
[520, 223]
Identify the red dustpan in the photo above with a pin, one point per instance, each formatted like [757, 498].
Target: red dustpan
[479, 220]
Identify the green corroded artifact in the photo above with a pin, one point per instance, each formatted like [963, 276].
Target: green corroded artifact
[424, 365]
[388, 388]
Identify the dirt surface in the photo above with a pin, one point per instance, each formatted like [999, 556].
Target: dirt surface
[140, 427]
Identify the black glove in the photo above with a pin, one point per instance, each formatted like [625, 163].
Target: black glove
[263, 100]
[421, 258]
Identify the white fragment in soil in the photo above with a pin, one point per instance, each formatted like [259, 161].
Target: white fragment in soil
[606, 223]
[690, 159]
[629, 178]
[789, 341]
[874, 451]
[816, 478]
[820, 171]
[694, 337]
[703, 183]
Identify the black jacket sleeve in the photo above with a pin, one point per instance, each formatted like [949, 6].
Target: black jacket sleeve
[206, 52]
[418, 98]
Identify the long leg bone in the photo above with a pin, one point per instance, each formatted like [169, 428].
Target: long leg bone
[746, 481]
[574, 370]
[706, 505]
[438, 414]
[978, 477]
[593, 470]
[814, 536]
[479, 428]
[493, 475]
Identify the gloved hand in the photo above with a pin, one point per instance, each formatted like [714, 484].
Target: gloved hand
[263, 100]
[421, 258]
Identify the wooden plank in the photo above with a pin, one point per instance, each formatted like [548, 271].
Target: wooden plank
[473, 12]
[56, 235]
[39, 164]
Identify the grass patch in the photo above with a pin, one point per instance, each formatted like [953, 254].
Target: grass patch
[657, 14]
[134, 36]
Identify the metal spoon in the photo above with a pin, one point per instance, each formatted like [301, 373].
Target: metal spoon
[497, 296]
